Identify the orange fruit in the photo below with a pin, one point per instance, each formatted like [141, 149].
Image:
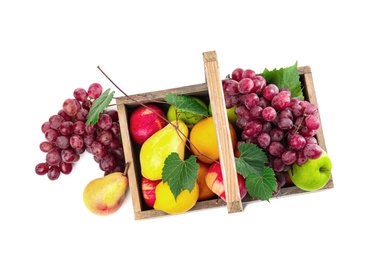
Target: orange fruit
[203, 140]
[204, 191]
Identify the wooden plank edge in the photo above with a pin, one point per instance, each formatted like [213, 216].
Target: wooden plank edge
[221, 123]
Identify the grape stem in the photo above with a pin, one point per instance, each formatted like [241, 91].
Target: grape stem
[142, 104]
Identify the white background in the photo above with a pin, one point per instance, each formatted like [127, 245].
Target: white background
[49, 48]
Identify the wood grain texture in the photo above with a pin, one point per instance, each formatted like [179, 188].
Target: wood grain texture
[226, 155]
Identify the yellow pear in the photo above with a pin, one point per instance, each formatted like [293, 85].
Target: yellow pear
[157, 147]
[104, 196]
[166, 201]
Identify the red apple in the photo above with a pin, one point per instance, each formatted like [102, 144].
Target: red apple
[214, 181]
[148, 188]
[145, 121]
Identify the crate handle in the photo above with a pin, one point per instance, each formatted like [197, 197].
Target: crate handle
[226, 153]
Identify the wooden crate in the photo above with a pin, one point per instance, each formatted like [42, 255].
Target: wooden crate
[211, 90]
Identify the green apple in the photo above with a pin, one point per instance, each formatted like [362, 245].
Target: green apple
[232, 117]
[313, 175]
[188, 118]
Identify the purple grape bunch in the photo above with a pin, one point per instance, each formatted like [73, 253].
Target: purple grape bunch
[67, 136]
[284, 127]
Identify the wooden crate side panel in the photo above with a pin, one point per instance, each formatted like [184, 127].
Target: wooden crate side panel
[129, 157]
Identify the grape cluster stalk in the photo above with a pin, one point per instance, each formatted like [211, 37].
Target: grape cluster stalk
[67, 136]
[283, 126]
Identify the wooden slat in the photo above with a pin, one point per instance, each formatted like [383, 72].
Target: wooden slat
[226, 152]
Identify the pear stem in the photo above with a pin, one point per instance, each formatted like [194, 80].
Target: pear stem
[126, 169]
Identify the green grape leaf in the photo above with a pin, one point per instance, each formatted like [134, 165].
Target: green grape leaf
[261, 185]
[252, 159]
[285, 78]
[260, 179]
[180, 175]
[98, 106]
[187, 104]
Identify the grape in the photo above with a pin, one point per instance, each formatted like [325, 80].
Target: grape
[115, 128]
[305, 131]
[86, 104]
[258, 84]
[310, 140]
[98, 149]
[263, 139]
[251, 100]
[71, 106]
[62, 113]
[107, 163]
[45, 146]
[289, 157]
[267, 126]
[264, 102]
[104, 122]
[241, 122]
[281, 181]
[69, 155]
[54, 173]
[301, 158]
[312, 151]
[312, 122]
[281, 100]
[65, 168]
[270, 91]
[256, 111]
[80, 94]
[89, 138]
[104, 137]
[297, 142]
[53, 157]
[276, 149]
[45, 126]
[91, 128]
[237, 74]
[41, 168]
[286, 113]
[248, 73]
[285, 123]
[66, 128]
[245, 85]
[79, 150]
[79, 128]
[76, 141]
[311, 109]
[52, 134]
[81, 115]
[276, 134]
[115, 143]
[252, 128]
[94, 90]
[62, 142]
[118, 153]
[231, 87]
[278, 164]
[269, 114]
[113, 114]
[55, 121]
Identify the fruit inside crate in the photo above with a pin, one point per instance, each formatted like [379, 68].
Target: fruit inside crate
[126, 106]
